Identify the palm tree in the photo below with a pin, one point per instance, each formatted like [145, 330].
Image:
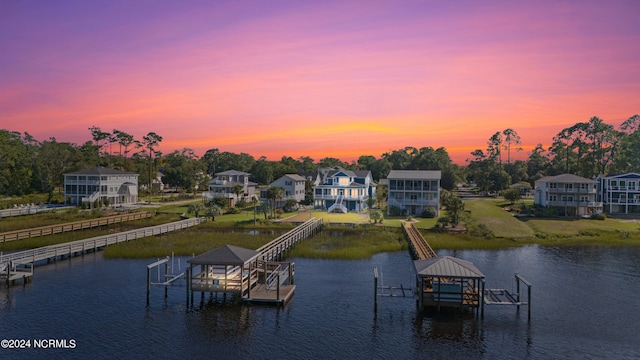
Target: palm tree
[238, 190]
[275, 193]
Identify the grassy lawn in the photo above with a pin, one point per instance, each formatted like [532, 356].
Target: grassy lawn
[490, 212]
[577, 226]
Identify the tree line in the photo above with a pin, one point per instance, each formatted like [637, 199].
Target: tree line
[585, 149]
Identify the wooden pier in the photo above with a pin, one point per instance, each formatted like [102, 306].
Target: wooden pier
[420, 248]
[72, 226]
[255, 275]
[79, 247]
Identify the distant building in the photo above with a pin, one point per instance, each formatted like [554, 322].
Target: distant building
[525, 188]
[620, 193]
[108, 185]
[343, 190]
[293, 186]
[569, 194]
[412, 191]
[224, 183]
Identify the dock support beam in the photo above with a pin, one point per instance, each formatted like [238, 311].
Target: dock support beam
[375, 289]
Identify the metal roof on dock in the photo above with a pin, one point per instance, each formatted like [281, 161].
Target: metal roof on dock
[225, 255]
[447, 266]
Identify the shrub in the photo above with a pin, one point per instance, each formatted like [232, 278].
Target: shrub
[429, 212]
[600, 216]
[410, 218]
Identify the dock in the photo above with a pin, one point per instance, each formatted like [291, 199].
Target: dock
[258, 276]
[49, 253]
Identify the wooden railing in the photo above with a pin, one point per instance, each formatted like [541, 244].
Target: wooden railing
[273, 249]
[72, 226]
[82, 246]
[421, 248]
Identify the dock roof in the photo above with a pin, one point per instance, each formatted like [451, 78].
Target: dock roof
[225, 255]
[447, 266]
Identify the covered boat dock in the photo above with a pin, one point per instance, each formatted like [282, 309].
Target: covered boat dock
[236, 270]
[449, 282]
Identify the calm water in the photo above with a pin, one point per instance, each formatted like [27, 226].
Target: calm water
[584, 305]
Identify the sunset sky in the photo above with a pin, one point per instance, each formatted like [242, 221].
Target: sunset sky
[317, 78]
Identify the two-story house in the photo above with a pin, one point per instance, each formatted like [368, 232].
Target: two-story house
[344, 190]
[569, 194]
[293, 186]
[107, 185]
[414, 190]
[224, 185]
[620, 193]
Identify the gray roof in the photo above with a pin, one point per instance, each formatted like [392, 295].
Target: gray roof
[447, 266]
[101, 171]
[415, 174]
[232, 172]
[225, 255]
[566, 178]
[294, 177]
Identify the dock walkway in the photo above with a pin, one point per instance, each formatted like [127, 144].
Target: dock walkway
[79, 247]
[72, 226]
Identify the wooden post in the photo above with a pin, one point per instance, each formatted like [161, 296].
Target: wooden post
[529, 302]
[148, 284]
[518, 292]
[290, 273]
[375, 289]
[166, 276]
[278, 287]
[188, 277]
[482, 300]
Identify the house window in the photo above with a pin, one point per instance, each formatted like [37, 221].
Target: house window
[584, 186]
[584, 199]
[553, 186]
[614, 184]
[623, 184]
[553, 197]
[103, 188]
[569, 186]
[632, 185]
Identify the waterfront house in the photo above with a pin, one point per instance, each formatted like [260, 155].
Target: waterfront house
[620, 193]
[344, 190]
[107, 185]
[411, 191]
[568, 194]
[224, 183]
[293, 186]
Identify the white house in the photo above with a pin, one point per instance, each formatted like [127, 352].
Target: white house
[620, 193]
[414, 190]
[293, 186]
[569, 194]
[344, 190]
[108, 185]
[224, 183]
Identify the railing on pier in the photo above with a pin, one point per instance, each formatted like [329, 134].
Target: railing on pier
[28, 210]
[72, 226]
[419, 245]
[92, 244]
[274, 249]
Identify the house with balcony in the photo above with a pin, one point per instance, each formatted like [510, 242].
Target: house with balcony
[344, 190]
[568, 194]
[411, 191]
[224, 185]
[620, 193]
[110, 186]
[293, 186]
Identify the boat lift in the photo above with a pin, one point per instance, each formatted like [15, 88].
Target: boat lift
[504, 297]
